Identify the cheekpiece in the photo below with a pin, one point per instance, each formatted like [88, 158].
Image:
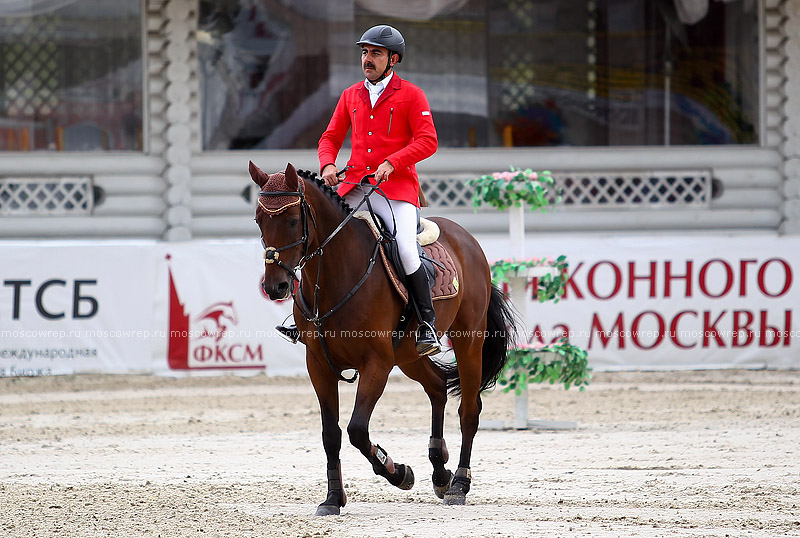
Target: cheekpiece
[273, 205]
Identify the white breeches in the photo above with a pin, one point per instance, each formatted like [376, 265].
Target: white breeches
[405, 218]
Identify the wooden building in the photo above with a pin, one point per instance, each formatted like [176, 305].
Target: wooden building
[137, 119]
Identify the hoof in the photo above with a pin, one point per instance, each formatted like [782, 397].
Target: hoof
[457, 494]
[441, 490]
[458, 499]
[327, 510]
[408, 478]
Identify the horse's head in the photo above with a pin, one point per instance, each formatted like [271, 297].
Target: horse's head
[281, 214]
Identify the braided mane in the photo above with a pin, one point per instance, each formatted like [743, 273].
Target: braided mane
[326, 189]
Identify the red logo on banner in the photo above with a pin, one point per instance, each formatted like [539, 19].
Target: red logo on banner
[216, 320]
[208, 342]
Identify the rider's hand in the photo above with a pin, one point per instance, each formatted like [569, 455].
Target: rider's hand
[383, 171]
[329, 175]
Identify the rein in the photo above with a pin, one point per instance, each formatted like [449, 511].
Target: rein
[272, 255]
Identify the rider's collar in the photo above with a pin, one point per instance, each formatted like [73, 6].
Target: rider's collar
[378, 87]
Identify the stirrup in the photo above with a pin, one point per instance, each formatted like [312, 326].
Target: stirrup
[290, 334]
[428, 346]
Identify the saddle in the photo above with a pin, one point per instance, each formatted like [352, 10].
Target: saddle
[436, 260]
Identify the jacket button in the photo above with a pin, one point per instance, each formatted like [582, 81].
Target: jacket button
[370, 133]
[367, 167]
[369, 151]
[371, 117]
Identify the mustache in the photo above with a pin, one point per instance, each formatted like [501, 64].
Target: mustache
[370, 65]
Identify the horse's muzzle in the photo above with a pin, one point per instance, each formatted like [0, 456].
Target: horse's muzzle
[278, 291]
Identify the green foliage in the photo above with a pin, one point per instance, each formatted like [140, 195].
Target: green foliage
[559, 362]
[550, 287]
[510, 189]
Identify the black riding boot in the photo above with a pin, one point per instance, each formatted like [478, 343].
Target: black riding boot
[427, 341]
[290, 333]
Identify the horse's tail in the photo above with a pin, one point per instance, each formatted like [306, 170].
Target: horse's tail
[501, 329]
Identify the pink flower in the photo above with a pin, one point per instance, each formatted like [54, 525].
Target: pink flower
[518, 175]
[506, 176]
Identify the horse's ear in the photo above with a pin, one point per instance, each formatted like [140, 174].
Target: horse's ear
[291, 177]
[258, 175]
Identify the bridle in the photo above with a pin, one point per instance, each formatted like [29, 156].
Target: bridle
[272, 255]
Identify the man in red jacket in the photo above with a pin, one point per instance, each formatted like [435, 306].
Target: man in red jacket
[391, 130]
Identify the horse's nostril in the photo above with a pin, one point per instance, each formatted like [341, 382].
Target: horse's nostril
[283, 287]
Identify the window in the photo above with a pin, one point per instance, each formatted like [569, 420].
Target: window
[71, 75]
[505, 73]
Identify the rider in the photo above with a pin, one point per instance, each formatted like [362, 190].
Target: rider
[391, 129]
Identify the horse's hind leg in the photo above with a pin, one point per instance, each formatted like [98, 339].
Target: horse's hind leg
[327, 389]
[433, 380]
[469, 354]
[370, 387]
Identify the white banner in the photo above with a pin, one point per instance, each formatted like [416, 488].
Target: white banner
[632, 302]
[671, 302]
[76, 307]
[216, 316]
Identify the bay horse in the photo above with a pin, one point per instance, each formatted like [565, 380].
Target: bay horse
[306, 227]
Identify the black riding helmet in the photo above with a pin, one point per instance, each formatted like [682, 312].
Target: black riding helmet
[387, 37]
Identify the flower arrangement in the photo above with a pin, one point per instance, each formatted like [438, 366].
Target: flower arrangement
[559, 362]
[550, 285]
[503, 190]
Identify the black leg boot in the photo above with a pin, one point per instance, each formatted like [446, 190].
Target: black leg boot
[427, 340]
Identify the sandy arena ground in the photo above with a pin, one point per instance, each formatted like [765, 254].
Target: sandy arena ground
[655, 454]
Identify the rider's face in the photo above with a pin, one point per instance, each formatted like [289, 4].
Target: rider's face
[374, 60]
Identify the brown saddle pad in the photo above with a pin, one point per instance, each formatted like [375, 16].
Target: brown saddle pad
[446, 285]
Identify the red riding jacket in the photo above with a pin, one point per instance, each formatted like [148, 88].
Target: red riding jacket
[399, 129]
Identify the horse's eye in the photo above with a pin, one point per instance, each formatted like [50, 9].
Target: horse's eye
[293, 223]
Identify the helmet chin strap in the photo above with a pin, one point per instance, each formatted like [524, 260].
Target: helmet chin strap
[385, 71]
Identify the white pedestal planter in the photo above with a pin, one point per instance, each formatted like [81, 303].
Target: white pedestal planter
[518, 284]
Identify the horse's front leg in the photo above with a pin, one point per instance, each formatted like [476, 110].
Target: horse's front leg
[327, 388]
[370, 388]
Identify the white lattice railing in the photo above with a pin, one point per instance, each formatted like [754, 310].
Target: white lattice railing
[608, 190]
[46, 196]
[447, 192]
[619, 190]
